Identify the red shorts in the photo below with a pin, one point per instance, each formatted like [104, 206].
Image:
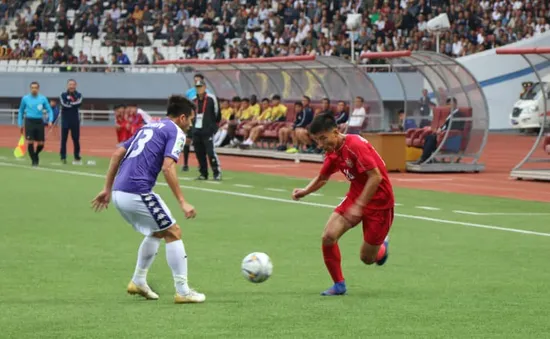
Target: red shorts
[376, 223]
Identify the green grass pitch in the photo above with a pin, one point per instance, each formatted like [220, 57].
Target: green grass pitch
[64, 269]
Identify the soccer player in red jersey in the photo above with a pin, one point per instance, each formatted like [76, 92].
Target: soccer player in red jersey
[121, 125]
[369, 200]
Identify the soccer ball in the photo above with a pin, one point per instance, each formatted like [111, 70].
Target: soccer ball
[257, 267]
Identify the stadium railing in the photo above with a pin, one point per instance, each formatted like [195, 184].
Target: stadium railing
[34, 66]
[87, 117]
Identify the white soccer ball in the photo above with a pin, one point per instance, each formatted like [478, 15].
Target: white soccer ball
[257, 267]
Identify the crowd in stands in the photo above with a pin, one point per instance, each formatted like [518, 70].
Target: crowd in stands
[224, 29]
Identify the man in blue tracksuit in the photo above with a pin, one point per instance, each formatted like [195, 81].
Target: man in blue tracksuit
[70, 120]
[32, 108]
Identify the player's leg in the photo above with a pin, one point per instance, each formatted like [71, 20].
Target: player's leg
[336, 226]
[200, 154]
[39, 137]
[63, 148]
[186, 149]
[29, 136]
[294, 137]
[222, 134]
[376, 226]
[75, 135]
[213, 158]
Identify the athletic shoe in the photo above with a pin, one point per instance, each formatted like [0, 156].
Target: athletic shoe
[77, 162]
[64, 161]
[385, 257]
[218, 177]
[143, 290]
[292, 150]
[192, 297]
[281, 148]
[337, 289]
[185, 168]
[201, 178]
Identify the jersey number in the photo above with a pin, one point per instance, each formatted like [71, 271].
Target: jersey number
[137, 146]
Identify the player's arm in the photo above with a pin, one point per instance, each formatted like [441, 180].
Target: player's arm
[22, 107]
[49, 110]
[318, 182]
[170, 173]
[365, 163]
[114, 164]
[374, 180]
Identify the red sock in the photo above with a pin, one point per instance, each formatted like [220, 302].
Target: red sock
[381, 252]
[332, 257]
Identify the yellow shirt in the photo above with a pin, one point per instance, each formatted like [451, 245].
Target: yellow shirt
[266, 115]
[255, 110]
[278, 112]
[38, 53]
[227, 113]
[248, 113]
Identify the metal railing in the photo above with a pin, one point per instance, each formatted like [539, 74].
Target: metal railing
[16, 67]
[87, 117]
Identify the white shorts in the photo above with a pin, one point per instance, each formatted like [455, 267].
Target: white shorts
[147, 213]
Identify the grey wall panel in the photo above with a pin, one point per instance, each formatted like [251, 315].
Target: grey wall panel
[160, 86]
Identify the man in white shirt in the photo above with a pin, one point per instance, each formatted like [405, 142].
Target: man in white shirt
[358, 119]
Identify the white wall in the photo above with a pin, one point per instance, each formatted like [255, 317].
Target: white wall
[501, 76]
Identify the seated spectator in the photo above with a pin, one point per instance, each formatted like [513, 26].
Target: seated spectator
[4, 37]
[255, 109]
[232, 124]
[341, 116]
[325, 107]
[228, 116]
[141, 58]
[430, 141]
[298, 131]
[358, 117]
[269, 115]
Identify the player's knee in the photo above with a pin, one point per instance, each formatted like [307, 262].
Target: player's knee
[173, 234]
[329, 238]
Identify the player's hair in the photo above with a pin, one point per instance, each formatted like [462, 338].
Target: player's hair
[35, 83]
[200, 76]
[276, 97]
[73, 80]
[360, 98]
[236, 99]
[308, 99]
[342, 101]
[246, 100]
[322, 123]
[179, 105]
[298, 103]
[265, 99]
[327, 100]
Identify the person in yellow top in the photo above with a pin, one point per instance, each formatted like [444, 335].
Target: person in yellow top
[249, 116]
[38, 52]
[228, 116]
[269, 115]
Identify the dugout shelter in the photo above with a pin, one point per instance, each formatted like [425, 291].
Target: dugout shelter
[291, 78]
[460, 147]
[536, 163]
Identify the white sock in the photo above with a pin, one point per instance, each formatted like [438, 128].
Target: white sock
[177, 260]
[146, 255]
[249, 141]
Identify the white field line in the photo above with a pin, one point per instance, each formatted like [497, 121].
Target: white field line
[288, 201]
[501, 213]
[275, 189]
[428, 208]
[243, 185]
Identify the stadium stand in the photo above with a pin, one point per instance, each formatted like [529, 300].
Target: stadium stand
[111, 33]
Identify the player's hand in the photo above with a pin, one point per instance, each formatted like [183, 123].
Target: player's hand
[298, 194]
[50, 124]
[189, 210]
[22, 130]
[101, 201]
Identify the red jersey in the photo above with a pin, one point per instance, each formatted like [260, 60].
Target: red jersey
[354, 159]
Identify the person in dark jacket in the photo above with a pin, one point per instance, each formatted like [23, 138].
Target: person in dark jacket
[341, 116]
[70, 102]
[430, 141]
[207, 117]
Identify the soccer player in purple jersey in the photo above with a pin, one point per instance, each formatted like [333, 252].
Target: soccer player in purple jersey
[130, 179]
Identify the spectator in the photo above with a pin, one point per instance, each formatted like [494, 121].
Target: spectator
[141, 58]
[358, 118]
[341, 116]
